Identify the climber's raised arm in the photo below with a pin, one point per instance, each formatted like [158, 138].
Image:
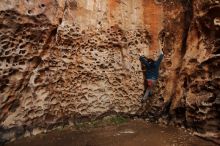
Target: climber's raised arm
[143, 60]
[160, 58]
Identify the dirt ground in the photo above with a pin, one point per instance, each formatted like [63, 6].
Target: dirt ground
[132, 133]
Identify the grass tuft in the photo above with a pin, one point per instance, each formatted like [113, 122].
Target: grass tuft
[106, 121]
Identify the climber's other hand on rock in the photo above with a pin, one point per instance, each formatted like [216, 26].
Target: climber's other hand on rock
[141, 55]
[161, 51]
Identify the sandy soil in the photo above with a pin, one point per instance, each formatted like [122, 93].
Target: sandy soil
[132, 133]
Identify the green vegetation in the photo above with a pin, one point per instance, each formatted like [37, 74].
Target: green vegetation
[106, 121]
[118, 120]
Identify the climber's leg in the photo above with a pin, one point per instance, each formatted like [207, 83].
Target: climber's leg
[148, 92]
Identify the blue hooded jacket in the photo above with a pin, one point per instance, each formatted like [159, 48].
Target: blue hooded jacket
[152, 72]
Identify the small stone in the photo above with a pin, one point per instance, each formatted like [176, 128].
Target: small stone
[37, 131]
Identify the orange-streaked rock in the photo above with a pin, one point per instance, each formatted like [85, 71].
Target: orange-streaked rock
[67, 59]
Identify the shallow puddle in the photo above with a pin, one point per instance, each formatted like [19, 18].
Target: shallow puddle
[133, 133]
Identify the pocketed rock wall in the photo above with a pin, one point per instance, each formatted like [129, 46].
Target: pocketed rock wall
[67, 59]
[199, 89]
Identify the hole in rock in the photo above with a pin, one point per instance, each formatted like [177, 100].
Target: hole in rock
[3, 86]
[36, 59]
[38, 80]
[8, 60]
[15, 105]
[217, 51]
[41, 41]
[29, 12]
[42, 5]
[22, 52]
[169, 64]
[12, 45]
[60, 20]
[21, 63]
[5, 47]
[193, 61]
[7, 53]
[185, 84]
[124, 39]
[12, 71]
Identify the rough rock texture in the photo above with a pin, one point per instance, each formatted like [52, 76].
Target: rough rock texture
[65, 59]
[196, 94]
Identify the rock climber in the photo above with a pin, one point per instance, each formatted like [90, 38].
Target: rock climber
[152, 72]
